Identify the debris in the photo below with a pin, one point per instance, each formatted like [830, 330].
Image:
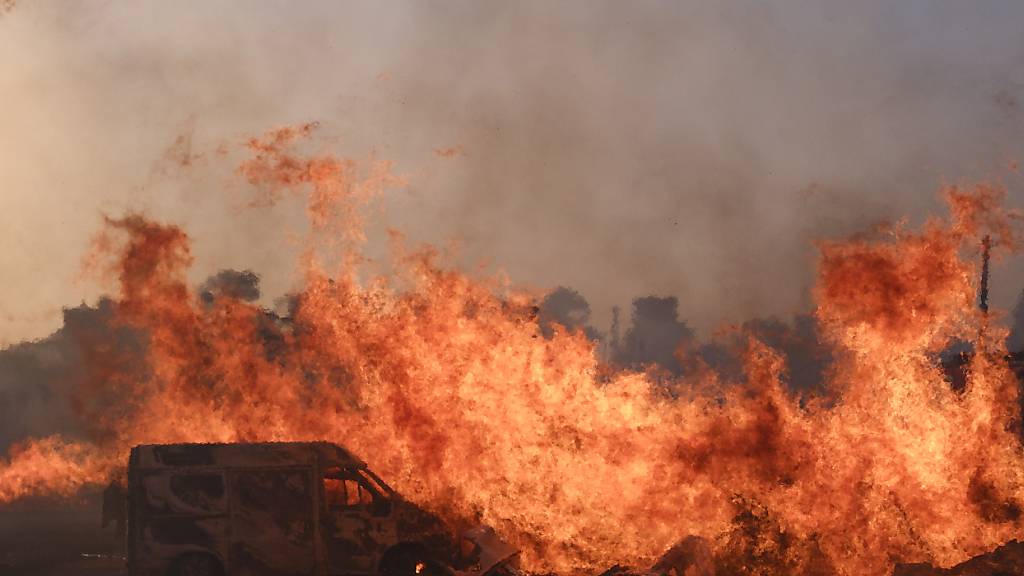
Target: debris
[690, 557]
[1006, 560]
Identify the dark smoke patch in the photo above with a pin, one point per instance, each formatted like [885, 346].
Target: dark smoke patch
[658, 338]
[44, 384]
[239, 285]
[78, 380]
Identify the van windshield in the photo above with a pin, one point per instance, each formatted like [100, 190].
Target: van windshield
[378, 484]
[367, 478]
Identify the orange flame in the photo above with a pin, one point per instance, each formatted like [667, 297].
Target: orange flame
[441, 382]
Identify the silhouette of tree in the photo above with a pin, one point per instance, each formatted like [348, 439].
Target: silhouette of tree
[807, 357]
[242, 285]
[654, 335]
[566, 307]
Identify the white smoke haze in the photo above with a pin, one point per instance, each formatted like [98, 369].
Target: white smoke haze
[685, 149]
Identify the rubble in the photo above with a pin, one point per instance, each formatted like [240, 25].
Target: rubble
[690, 557]
[1006, 560]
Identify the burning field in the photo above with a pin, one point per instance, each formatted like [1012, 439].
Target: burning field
[445, 385]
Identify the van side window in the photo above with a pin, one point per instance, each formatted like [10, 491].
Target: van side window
[273, 498]
[356, 495]
[343, 491]
[334, 492]
[351, 493]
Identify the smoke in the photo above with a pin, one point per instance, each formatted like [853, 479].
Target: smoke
[658, 340]
[44, 385]
[454, 367]
[71, 382]
[1015, 339]
[678, 148]
[243, 286]
[799, 341]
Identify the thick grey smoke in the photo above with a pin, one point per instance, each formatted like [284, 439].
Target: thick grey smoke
[45, 385]
[689, 149]
[78, 378]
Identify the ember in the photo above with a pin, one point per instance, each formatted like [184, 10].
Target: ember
[441, 383]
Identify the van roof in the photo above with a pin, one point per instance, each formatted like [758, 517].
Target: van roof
[242, 454]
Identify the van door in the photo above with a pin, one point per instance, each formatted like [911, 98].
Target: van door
[358, 526]
[272, 531]
[177, 512]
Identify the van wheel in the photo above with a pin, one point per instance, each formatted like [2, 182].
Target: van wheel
[407, 560]
[196, 565]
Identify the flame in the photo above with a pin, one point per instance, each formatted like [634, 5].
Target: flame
[441, 383]
[52, 466]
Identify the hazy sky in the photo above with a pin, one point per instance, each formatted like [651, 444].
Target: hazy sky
[678, 148]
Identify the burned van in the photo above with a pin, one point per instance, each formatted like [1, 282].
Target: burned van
[285, 509]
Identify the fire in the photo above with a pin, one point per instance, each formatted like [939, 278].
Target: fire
[442, 383]
[32, 469]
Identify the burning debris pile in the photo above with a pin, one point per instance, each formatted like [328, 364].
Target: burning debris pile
[1007, 559]
[445, 386]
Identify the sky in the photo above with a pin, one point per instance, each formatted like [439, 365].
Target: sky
[688, 149]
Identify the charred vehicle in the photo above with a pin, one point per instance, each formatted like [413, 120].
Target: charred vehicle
[285, 509]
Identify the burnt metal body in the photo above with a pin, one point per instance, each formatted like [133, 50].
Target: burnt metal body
[281, 509]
